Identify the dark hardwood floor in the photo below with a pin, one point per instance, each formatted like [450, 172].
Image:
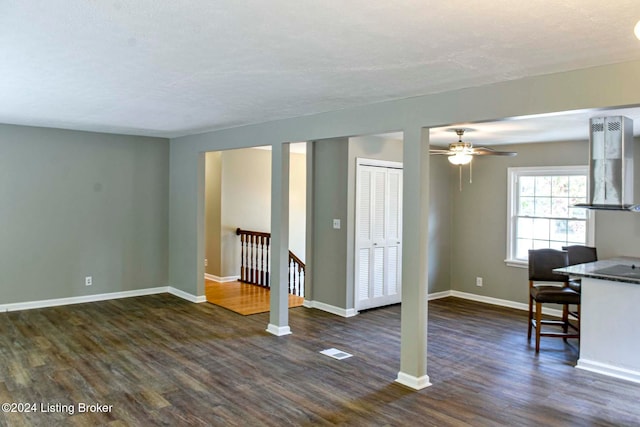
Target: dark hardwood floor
[159, 360]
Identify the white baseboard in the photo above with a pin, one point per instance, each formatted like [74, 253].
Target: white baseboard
[612, 371]
[416, 383]
[219, 279]
[438, 295]
[185, 295]
[350, 312]
[278, 330]
[339, 311]
[29, 305]
[503, 303]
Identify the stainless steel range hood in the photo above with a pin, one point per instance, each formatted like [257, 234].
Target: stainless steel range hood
[611, 172]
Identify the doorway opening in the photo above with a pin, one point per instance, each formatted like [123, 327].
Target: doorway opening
[238, 196]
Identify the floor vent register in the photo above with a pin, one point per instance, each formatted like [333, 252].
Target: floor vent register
[336, 354]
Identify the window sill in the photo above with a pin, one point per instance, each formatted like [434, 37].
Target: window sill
[516, 263]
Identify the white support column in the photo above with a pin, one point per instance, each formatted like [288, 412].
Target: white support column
[279, 260]
[415, 222]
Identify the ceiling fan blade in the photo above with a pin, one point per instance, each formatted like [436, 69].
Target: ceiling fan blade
[485, 151]
[442, 152]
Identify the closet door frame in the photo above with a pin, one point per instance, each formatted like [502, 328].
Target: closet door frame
[372, 300]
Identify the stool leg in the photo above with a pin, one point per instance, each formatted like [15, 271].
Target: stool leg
[538, 324]
[565, 320]
[530, 317]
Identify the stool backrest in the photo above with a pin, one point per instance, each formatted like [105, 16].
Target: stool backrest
[543, 261]
[579, 254]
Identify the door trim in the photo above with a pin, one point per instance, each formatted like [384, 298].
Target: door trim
[361, 161]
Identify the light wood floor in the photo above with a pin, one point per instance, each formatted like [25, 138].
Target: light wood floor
[160, 360]
[243, 298]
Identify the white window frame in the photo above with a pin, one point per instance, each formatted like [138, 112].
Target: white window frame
[513, 175]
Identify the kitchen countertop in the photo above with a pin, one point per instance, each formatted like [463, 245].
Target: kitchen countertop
[615, 269]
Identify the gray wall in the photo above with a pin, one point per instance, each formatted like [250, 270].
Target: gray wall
[330, 258]
[550, 93]
[78, 204]
[334, 197]
[382, 148]
[368, 147]
[440, 224]
[480, 221]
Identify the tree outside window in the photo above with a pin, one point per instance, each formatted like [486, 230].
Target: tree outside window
[541, 210]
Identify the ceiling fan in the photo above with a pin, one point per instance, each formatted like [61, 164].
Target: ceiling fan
[461, 153]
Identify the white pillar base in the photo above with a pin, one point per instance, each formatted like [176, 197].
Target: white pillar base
[278, 330]
[416, 383]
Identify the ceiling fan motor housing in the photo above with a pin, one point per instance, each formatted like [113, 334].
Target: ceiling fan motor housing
[460, 148]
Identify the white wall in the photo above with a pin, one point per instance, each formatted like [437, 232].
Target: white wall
[245, 202]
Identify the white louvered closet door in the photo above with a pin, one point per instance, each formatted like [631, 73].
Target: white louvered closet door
[378, 232]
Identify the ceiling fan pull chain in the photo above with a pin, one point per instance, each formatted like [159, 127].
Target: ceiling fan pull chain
[471, 172]
[460, 177]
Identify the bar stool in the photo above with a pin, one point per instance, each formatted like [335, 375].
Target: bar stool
[542, 262]
[579, 254]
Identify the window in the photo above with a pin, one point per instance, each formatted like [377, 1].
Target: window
[541, 213]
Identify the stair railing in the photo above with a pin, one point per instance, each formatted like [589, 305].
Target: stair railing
[255, 249]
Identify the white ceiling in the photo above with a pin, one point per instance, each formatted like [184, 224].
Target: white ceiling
[171, 68]
[565, 126]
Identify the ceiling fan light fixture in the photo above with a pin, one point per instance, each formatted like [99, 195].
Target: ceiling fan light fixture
[462, 153]
[460, 159]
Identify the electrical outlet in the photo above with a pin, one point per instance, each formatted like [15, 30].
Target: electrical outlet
[336, 224]
[478, 281]
[88, 281]
[206, 262]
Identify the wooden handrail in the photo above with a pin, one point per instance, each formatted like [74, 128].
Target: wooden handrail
[255, 249]
[240, 231]
[294, 258]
